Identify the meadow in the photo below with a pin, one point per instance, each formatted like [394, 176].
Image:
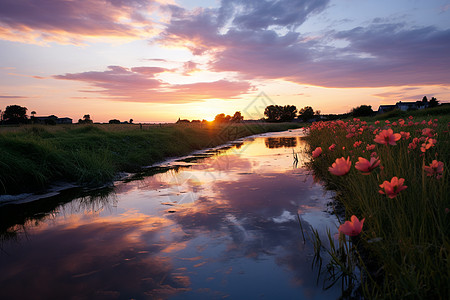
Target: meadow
[390, 175]
[33, 156]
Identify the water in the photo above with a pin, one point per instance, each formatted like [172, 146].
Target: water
[221, 226]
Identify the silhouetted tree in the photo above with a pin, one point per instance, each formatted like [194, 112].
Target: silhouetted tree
[362, 111]
[277, 113]
[114, 121]
[306, 113]
[15, 114]
[131, 121]
[237, 117]
[221, 118]
[86, 120]
[424, 99]
[433, 102]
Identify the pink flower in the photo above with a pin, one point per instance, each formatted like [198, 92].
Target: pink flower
[317, 152]
[428, 144]
[366, 166]
[435, 168]
[357, 144]
[391, 189]
[341, 166]
[370, 147]
[377, 122]
[427, 132]
[405, 135]
[332, 147]
[353, 227]
[387, 122]
[387, 137]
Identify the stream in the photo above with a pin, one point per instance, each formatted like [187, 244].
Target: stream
[221, 223]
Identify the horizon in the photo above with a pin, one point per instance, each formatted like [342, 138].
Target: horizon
[157, 61]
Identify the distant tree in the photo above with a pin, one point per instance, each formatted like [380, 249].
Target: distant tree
[424, 99]
[306, 113]
[15, 114]
[433, 102]
[273, 113]
[289, 113]
[277, 113]
[222, 118]
[362, 111]
[33, 113]
[86, 120]
[131, 121]
[237, 117]
[114, 121]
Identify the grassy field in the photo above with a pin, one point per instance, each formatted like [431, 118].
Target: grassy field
[404, 246]
[33, 156]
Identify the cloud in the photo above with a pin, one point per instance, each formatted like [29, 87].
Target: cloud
[40, 21]
[12, 97]
[140, 84]
[242, 37]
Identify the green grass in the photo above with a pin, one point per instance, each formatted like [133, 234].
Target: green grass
[405, 240]
[33, 156]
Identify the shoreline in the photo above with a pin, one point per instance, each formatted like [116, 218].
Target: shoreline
[92, 156]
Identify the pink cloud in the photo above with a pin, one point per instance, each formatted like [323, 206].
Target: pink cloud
[139, 84]
[242, 37]
[72, 21]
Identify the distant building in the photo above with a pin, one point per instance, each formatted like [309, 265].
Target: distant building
[385, 108]
[51, 120]
[404, 106]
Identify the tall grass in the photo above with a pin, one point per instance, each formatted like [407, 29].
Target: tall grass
[405, 240]
[31, 157]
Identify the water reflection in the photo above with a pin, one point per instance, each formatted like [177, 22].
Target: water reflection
[278, 142]
[224, 226]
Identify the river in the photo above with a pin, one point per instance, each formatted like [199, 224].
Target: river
[222, 223]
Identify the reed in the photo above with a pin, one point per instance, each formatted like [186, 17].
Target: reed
[404, 244]
[32, 156]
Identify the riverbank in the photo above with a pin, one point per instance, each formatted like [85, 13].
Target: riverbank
[90, 155]
[394, 175]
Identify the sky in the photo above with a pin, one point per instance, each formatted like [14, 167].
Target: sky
[157, 61]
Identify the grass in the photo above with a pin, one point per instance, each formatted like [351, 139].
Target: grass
[404, 246]
[32, 156]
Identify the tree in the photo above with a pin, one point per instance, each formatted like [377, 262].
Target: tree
[237, 117]
[424, 99]
[277, 113]
[221, 118]
[15, 114]
[86, 120]
[362, 111]
[433, 102]
[114, 121]
[306, 113]
[131, 121]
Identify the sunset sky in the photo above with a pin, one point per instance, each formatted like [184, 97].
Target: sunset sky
[156, 61]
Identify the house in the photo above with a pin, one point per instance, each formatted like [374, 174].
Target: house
[385, 108]
[404, 106]
[51, 120]
[411, 105]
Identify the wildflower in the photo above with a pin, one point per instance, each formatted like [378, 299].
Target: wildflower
[341, 166]
[410, 117]
[387, 137]
[377, 122]
[357, 144]
[332, 147]
[405, 135]
[435, 168]
[391, 189]
[353, 227]
[387, 121]
[428, 144]
[370, 147]
[394, 123]
[427, 132]
[373, 154]
[367, 166]
[317, 152]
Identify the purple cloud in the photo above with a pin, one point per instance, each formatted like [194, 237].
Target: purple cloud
[242, 37]
[139, 84]
[63, 20]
